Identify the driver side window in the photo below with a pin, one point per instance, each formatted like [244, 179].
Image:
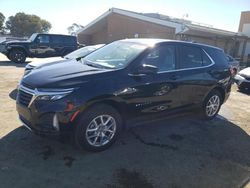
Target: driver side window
[163, 57]
[43, 39]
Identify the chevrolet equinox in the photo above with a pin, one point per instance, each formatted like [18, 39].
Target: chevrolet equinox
[132, 79]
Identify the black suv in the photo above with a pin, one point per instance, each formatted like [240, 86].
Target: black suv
[39, 45]
[132, 79]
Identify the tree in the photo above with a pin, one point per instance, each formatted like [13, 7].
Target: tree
[23, 24]
[2, 18]
[72, 30]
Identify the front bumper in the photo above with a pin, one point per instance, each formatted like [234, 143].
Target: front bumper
[241, 81]
[3, 49]
[46, 117]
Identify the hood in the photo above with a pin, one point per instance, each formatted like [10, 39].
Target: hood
[62, 74]
[44, 61]
[16, 42]
[245, 71]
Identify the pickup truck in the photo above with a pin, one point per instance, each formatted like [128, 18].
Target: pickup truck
[39, 45]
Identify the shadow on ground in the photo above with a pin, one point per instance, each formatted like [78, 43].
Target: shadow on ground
[175, 153]
[10, 63]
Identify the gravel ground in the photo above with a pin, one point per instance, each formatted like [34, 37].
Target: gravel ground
[178, 152]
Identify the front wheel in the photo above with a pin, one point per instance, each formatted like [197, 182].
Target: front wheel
[98, 128]
[212, 104]
[17, 56]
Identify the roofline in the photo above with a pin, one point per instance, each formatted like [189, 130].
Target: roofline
[95, 21]
[177, 26]
[158, 41]
[211, 30]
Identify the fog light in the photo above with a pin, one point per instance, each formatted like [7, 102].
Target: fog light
[55, 122]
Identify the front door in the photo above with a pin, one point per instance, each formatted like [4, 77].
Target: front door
[152, 93]
[42, 46]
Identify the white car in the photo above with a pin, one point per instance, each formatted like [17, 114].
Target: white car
[242, 79]
[77, 54]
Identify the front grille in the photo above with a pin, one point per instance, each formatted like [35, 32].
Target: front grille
[24, 98]
[247, 78]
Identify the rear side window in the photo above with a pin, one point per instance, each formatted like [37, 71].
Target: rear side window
[63, 40]
[56, 39]
[190, 57]
[193, 57]
[69, 40]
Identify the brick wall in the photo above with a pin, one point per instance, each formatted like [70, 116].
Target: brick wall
[244, 19]
[120, 27]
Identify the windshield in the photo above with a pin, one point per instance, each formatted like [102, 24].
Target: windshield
[115, 55]
[32, 37]
[82, 52]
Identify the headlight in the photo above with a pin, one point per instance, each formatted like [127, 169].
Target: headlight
[53, 94]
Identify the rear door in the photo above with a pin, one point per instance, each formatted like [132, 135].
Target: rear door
[57, 44]
[195, 80]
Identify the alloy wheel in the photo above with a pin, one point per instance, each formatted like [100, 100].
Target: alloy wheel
[101, 130]
[213, 105]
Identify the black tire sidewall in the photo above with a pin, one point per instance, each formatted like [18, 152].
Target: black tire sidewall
[211, 94]
[13, 53]
[86, 118]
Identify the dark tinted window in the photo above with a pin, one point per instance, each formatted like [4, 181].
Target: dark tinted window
[206, 59]
[190, 57]
[218, 56]
[56, 39]
[63, 39]
[70, 40]
[162, 57]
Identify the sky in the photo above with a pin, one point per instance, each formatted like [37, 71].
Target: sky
[222, 14]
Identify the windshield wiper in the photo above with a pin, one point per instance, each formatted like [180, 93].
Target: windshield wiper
[95, 65]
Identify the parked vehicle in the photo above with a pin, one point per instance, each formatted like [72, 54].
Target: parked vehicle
[130, 80]
[77, 54]
[234, 64]
[39, 45]
[242, 79]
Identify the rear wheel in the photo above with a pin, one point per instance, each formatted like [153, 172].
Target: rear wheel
[17, 56]
[242, 89]
[212, 104]
[98, 128]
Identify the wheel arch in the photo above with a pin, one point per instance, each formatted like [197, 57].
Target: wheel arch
[110, 102]
[220, 90]
[18, 48]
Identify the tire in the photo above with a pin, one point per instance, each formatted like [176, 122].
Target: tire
[211, 105]
[17, 56]
[8, 56]
[91, 128]
[241, 89]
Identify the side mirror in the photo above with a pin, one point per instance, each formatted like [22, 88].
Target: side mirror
[145, 69]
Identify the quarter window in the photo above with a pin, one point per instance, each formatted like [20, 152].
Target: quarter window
[206, 60]
[163, 57]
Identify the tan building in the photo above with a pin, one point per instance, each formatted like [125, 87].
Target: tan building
[119, 24]
[244, 28]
